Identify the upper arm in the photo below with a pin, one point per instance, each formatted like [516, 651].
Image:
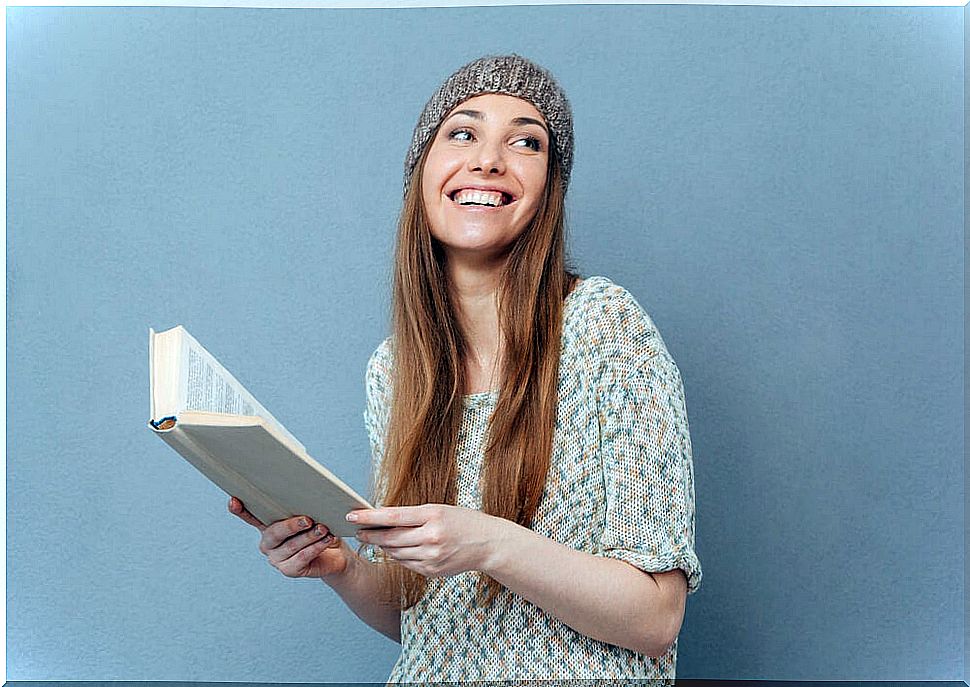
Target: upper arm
[645, 454]
[376, 408]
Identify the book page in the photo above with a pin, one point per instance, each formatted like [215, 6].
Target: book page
[209, 387]
[209, 391]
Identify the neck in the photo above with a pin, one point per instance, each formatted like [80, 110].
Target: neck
[475, 294]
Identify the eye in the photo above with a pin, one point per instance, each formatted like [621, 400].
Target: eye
[532, 142]
[459, 132]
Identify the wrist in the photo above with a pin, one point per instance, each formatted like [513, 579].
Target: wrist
[340, 577]
[504, 538]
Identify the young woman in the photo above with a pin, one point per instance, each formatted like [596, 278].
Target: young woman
[529, 433]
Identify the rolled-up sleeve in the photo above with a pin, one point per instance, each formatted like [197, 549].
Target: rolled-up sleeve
[647, 467]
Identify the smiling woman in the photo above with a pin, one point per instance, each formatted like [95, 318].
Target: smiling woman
[532, 460]
[477, 216]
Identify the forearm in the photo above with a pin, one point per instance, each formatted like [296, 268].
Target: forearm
[603, 598]
[359, 586]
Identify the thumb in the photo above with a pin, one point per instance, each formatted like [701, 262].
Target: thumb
[237, 508]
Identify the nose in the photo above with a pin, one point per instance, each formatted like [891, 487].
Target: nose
[488, 157]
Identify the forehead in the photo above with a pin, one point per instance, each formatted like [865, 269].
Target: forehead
[499, 106]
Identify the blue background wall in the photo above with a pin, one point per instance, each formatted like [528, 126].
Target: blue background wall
[781, 188]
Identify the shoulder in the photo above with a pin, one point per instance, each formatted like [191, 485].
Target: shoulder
[620, 331]
[382, 356]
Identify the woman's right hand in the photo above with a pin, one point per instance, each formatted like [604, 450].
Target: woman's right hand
[295, 546]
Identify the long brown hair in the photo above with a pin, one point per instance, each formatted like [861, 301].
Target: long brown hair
[428, 378]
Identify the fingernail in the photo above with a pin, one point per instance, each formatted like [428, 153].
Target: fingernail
[321, 529]
[352, 517]
[304, 522]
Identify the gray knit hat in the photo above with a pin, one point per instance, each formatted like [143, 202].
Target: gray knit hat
[508, 74]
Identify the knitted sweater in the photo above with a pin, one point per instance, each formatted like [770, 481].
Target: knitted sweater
[620, 485]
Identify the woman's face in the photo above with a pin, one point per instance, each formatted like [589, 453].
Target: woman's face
[485, 174]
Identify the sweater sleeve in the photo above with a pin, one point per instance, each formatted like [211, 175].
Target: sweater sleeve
[645, 446]
[376, 411]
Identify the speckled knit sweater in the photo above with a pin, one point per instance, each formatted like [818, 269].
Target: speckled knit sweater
[620, 484]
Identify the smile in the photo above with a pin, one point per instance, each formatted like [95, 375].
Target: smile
[473, 198]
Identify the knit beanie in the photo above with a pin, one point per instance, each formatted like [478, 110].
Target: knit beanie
[508, 74]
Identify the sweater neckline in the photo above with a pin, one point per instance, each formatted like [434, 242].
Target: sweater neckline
[488, 397]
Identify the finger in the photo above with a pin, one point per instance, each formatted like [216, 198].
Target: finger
[394, 536]
[281, 530]
[237, 508]
[294, 544]
[298, 565]
[393, 516]
[406, 554]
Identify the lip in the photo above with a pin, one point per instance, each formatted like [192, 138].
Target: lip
[478, 208]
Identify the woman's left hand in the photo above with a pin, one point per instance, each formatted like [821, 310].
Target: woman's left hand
[435, 540]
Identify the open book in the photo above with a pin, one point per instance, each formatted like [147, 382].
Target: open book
[202, 412]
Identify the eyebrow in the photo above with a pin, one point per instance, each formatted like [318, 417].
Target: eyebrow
[476, 114]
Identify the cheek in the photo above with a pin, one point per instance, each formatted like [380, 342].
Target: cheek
[427, 195]
[439, 164]
[537, 188]
[533, 176]
[428, 183]
[529, 211]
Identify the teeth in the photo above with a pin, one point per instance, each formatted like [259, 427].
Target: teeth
[492, 198]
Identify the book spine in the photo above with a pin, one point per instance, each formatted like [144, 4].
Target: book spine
[151, 370]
